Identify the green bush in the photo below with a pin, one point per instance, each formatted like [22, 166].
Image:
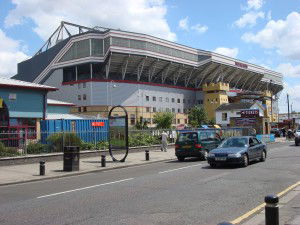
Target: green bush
[143, 139]
[56, 141]
[36, 148]
[102, 145]
[7, 151]
[87, 146]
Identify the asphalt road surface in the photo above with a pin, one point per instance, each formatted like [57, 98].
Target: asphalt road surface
[171, 192]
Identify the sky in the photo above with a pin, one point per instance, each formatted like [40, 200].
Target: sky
[263, 32]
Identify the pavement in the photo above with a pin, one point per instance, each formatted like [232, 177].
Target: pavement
[289, 210]
[13, 174]
[165, 192]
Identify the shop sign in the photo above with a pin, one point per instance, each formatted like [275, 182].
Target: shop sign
[250, 113]
[97, 124]
[242, 65]
[245, 122]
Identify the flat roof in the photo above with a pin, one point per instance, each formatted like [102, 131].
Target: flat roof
[7, 82]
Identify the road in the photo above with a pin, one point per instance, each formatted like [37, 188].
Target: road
[171, 192]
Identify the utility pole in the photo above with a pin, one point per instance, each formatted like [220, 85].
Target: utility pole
[288, 103]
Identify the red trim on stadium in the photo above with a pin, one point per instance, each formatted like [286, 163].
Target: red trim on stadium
[27, 87]
[132, 82]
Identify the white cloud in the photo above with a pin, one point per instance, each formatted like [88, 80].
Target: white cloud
[249, 18]
[288, 70]
[10, 54]
[269, 15]
[294, 93]
[282, 35]
[184, 23]
[145, 16]
[231, 52]
[254, 4]
[199, 28]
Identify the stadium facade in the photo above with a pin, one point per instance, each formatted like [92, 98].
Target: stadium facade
[96, 68]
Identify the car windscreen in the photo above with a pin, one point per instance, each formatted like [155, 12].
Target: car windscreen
[235, 142]
[190, 136]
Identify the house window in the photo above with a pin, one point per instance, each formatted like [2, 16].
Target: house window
[84, 97]
[154, 98]
[185, 121]
[79, 85]
[160, 99]
[178, 100]
[84, 85]
[179, 111]
[224, 116]
[79, 97]
[12, 96]
[178, 121]
[147, 109]
[79, 109]
[167, 110]
[132, 119]
[173, 110]
[154, 109]
[84, 109]
[167, 99]
[173, 100]
[147, 98]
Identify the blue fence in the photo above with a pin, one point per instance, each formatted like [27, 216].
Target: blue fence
[266, 137]
[83, 128]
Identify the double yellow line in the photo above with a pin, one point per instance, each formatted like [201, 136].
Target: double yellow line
[257, 208]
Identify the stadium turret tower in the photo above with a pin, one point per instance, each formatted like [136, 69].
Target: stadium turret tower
[267, 102]
[215, 94]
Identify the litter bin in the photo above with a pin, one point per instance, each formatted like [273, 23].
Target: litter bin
[71, 158]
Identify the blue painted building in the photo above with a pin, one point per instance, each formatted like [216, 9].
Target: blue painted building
[22, 106]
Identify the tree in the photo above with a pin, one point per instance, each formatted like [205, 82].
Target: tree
[141, 125]
[163, 120]
[197, 116]
[212, 121]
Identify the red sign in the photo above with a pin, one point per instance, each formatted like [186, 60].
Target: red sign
[250, 113]
[97, 124]
[245, 66]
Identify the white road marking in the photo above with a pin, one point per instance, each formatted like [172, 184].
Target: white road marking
[80, 189]
[181, 168]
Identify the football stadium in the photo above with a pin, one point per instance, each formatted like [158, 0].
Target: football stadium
[97, 68]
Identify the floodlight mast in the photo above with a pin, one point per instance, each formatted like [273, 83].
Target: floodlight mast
[58, 34]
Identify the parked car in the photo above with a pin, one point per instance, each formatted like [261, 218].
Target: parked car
[297, 136]
[196, 143]
[238, 150]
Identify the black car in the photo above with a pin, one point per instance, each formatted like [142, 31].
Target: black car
[238, 150]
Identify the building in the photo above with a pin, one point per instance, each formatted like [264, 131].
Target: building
[243, 114]
[23, 105]
[98, 68]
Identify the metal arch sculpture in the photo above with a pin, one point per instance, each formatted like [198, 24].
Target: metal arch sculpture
[118, 133]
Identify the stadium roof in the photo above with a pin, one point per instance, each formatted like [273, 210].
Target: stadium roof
[140, 57]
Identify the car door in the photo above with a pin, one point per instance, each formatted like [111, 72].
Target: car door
[252, 150]
[259, 147]
[206, 140]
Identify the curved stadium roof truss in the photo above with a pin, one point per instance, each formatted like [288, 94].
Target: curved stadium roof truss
[143, 58]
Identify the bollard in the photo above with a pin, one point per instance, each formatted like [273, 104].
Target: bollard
[272, 210]
[225, 223]
[42, 168]
[147, 155]
[103, 160]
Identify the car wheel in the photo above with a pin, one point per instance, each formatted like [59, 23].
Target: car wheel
[263, 156]
[245, 162]
[205, 154]
[213, 165]
[180, 158]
